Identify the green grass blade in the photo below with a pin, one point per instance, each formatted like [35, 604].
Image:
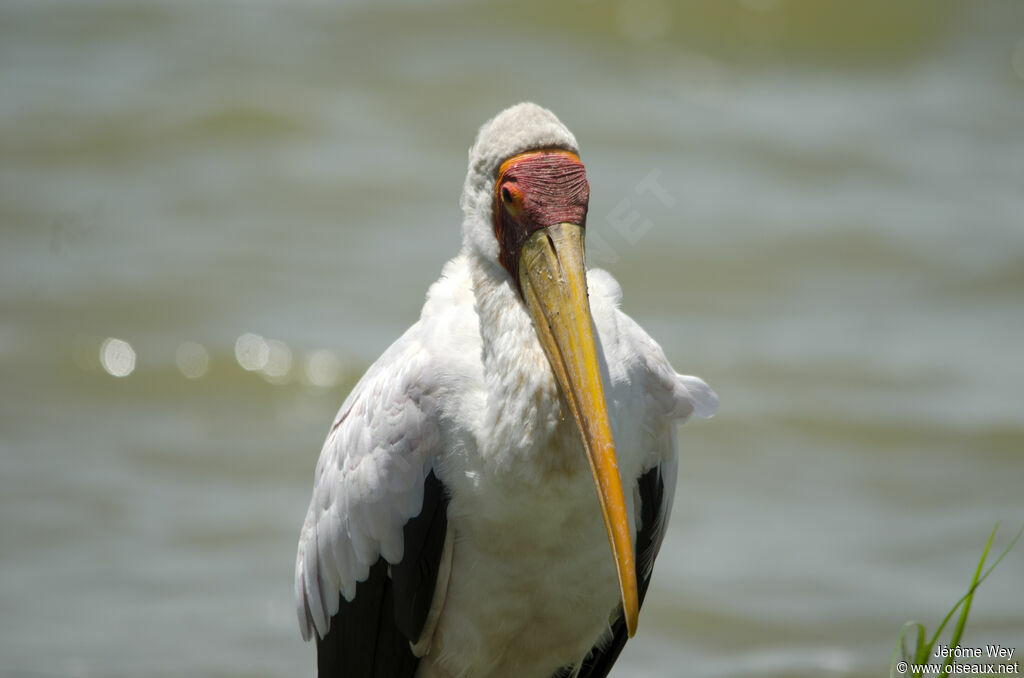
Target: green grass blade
[967, 600]
[923, 650]
[1009, 547]
[900, 650]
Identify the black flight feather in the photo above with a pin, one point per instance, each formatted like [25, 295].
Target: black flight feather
[370, 636]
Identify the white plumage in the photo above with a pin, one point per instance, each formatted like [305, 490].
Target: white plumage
[468, 393]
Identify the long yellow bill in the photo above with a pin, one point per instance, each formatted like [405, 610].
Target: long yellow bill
[552, 276]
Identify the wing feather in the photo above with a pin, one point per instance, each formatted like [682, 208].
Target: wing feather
[652, 491]
[369, 481]
[669, 399]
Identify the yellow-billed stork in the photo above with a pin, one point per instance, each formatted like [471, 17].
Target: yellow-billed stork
[454, 530]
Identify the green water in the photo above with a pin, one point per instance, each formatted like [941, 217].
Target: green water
[838, 248]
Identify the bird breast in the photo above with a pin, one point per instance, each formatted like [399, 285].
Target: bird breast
[533, 583]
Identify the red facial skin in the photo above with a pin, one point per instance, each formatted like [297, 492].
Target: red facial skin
[535, 190]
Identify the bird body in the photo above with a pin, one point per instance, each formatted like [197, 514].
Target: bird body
[512, 575]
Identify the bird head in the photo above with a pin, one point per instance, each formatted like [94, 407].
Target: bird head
[525, 203]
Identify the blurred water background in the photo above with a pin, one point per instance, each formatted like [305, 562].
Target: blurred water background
[237, 206]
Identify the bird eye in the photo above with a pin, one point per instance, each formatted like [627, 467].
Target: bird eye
[511, 198]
